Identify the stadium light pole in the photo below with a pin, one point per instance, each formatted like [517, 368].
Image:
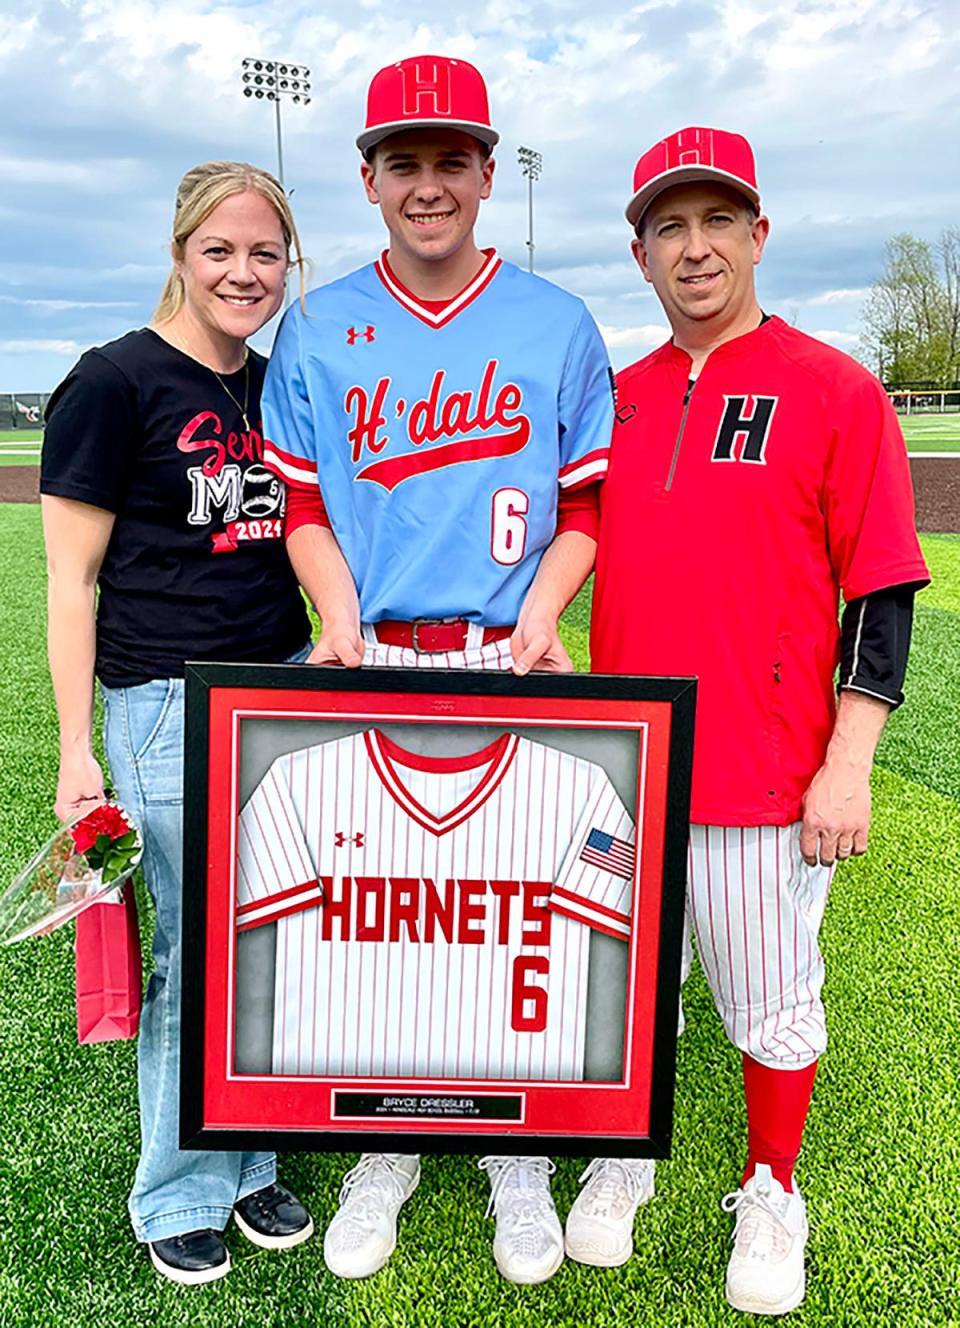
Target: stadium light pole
[272, 80]
[531, 164]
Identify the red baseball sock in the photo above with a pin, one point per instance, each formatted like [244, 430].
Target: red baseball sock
[777, 1106]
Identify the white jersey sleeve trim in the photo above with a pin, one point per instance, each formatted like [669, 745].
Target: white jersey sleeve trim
[590, 913]
[295, 470]
[590, 467]
[295, 900]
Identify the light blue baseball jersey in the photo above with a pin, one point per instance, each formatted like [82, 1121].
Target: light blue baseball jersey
[439, 438]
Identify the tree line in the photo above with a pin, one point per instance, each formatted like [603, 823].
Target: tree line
[911, 319]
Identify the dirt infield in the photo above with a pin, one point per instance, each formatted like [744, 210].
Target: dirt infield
[19, 484]
[936, 483]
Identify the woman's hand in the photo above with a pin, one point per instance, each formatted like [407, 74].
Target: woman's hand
[79, 785]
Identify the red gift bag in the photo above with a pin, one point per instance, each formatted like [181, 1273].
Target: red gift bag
[109, 971]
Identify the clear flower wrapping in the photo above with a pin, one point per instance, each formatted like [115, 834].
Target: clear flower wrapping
[81, 862]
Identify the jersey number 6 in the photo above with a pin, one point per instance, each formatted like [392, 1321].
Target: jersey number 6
[508, 529]
[525, 990]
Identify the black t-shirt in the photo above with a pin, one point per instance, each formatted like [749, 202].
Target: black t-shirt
[196, 566]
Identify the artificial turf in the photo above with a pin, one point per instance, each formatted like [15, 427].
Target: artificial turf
[20, 447]
[931, 433]
[880, 1168]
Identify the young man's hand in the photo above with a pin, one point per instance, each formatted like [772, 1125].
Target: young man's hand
[536, 645]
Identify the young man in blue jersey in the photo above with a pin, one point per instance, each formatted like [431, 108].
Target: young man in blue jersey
[441, 419]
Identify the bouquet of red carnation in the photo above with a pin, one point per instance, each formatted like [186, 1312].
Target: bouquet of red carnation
[79, 864]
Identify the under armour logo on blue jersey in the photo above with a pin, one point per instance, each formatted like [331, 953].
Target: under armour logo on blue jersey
[355, 334]
[614, 855]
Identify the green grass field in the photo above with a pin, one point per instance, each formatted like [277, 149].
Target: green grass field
[20, 447]
[931, 433]
[880, 1169]
[924, 433]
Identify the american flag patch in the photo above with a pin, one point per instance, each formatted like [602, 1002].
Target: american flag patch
[611, 854]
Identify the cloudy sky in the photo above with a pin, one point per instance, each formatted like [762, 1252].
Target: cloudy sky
[852, 107]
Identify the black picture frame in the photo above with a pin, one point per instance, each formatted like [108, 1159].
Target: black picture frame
[436, 693]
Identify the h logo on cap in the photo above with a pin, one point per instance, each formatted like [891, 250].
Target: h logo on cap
[420, 88]
[689, 147]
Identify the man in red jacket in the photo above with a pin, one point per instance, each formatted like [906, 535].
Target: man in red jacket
[756, 473]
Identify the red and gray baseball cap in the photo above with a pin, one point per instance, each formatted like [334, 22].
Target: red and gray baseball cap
[427, 91]
[691, 155]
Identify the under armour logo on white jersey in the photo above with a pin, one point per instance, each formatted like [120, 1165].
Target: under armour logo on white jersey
[355, 334]
[752, 428]
[340, 839]
[424, 84]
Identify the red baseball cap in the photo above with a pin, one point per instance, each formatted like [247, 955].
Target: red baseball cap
[423, 91]
[690, 155]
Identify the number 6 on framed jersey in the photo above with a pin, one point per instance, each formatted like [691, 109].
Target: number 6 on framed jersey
[441, 905]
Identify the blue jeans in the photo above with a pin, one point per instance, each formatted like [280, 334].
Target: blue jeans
[174, 1190]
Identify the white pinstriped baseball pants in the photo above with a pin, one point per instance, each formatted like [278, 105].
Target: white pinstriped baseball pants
[756, 909]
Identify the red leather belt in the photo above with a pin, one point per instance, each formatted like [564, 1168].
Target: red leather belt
[430, 636]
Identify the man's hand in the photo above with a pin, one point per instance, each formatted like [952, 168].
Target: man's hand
[536, 645]
[836, 806]
[79, 785]
[836, 814]
[338, 645]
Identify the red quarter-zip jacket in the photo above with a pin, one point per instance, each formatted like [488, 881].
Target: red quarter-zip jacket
[734, 513]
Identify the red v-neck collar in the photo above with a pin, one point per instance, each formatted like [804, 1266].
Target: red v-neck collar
[385, 756]
[437, 313]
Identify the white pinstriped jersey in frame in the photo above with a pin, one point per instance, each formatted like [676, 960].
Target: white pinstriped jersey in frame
[458, 894]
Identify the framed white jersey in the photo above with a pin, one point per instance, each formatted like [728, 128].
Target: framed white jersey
[432, 908]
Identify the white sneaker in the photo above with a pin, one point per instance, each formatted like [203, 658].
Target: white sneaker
[363, 1233]
[765, 1274]
[600, 1223]
[528, 1245]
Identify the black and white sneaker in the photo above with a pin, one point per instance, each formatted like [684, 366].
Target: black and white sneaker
[273, 1218]
[192, 1258]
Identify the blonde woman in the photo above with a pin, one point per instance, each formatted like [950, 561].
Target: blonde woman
[154, 492]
